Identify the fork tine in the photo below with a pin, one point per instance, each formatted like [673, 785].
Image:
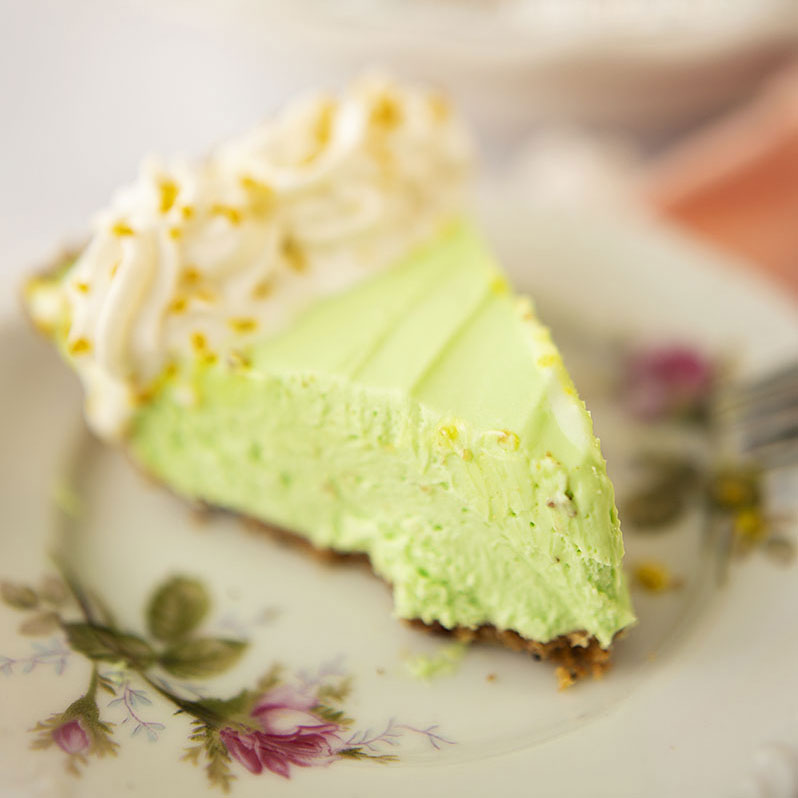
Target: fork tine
[776, 454]
[778, 386]
[785, 374]
[767, 426]
[761, 417]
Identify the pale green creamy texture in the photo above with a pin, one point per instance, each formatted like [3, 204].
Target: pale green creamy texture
[432, 666]
[424, 418]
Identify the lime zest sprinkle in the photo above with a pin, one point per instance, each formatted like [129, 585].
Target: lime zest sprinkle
[122, 229]
[233, 215]
[386, 112]
[199, 342]
[80, 346]
[294, 255]
[242, 324]
[169, 191]
[190, 275]
[547, 361]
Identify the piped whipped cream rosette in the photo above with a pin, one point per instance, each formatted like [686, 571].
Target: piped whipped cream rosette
[196, 258]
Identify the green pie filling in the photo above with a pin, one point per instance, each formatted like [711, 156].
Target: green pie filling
[425, 419]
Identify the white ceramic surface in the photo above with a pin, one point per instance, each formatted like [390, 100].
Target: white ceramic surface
[701, 700]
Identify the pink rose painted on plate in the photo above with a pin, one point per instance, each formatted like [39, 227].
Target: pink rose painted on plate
[71, 737]
[290, 734]
[662, 381]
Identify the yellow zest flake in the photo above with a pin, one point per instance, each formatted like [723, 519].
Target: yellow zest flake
[251, 184]
[261, 199]
[175, 233]
[122, 229]
[386, 112]
[324, 122]
[178, 305]
[509, 439]
[654, 577]
[82, 287]
[499, 285]
[190, 275]
[322, 132]
[467, 455]
[547, 361]
[204, 295]
[735, 488]
[145, 395]
[233, 215]
[262, 289]
[187, 212]
[237, 360]
[80, 346]
[448, 434]
[242, 324]
[149, 392]
[440, 108]
[294, 255]
[199, 342]
[115, 268]
[750, 526]
[569, 390]
[169, 191]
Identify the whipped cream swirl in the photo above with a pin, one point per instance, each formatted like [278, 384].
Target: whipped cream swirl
[196, 259]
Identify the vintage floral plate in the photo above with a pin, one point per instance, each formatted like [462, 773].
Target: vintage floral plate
[149, 649]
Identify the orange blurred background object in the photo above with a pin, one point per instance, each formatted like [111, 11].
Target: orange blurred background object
[736, 182]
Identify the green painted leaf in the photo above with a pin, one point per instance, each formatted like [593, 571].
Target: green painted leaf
[177, 608]
[42, 623]
[106, 684]
[239, 704]
[53, 591]
[217, 757]
[653, 508]
[201, 657]
[336, 692]
[271, 678]
[332, 715]
[361, 753]
[109, 645]
[20, 597]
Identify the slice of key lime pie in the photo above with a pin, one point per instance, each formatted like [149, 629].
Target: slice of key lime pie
[306, 328]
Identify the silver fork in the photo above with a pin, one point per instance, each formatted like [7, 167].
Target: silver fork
[758, 421]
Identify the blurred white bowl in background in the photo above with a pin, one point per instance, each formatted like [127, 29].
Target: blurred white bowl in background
[649, 66]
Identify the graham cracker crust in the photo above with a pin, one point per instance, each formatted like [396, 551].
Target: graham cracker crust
[576, 654]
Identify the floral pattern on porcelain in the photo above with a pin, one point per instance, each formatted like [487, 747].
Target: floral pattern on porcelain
[286, 720]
